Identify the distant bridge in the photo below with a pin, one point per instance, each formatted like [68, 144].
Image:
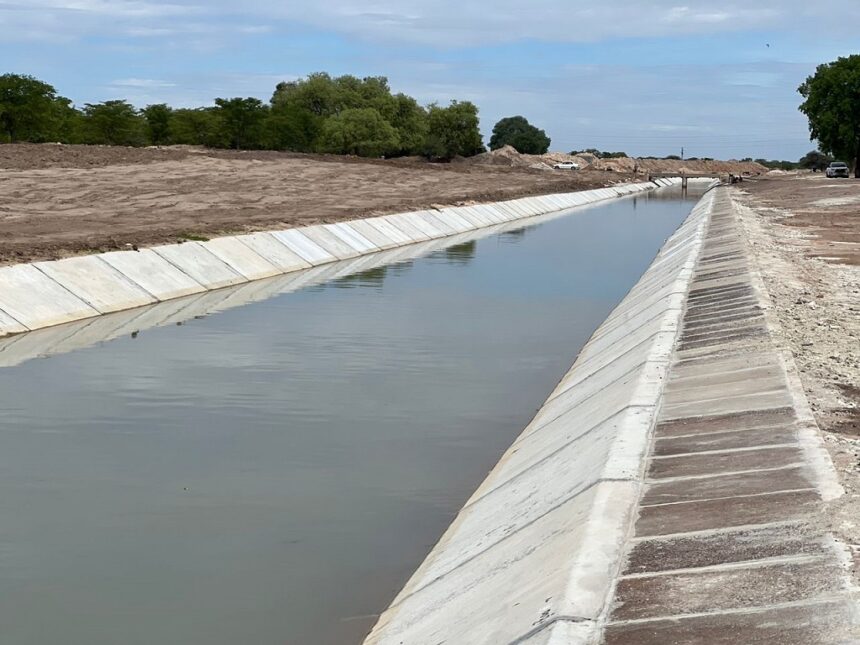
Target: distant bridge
[724, 176]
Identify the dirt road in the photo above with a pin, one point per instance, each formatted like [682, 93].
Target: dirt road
[62, 200]
[806, 236]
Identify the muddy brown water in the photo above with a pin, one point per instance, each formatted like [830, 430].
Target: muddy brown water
[274, 473]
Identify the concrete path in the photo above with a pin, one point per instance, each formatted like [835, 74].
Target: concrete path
[730, 544]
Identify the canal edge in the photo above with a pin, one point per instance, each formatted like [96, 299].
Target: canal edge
[44, 294]
[534, 523]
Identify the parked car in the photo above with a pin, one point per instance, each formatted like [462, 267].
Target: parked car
[566, 165]
[837, 169]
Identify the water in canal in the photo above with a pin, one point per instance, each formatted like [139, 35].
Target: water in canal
[272, 474]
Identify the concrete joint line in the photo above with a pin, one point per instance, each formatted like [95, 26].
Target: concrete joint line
[578, 402]
[125, 277]
[757, 609]
[726, 473]
[472, 501]
[71, 293]
[10, 317]
[744, 496]
[727, 451]
[525, 437]
[504, 538]
[590, 377]
[746, 396]
[731, 397]
[724, 530]
[742, 565]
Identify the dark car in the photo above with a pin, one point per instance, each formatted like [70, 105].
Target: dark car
[837, 169]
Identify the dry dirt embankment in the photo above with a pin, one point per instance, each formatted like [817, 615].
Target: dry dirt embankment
[62, 200]
[805, 231]
[509, 157]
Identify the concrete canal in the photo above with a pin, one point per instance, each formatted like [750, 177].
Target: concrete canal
[276, 472]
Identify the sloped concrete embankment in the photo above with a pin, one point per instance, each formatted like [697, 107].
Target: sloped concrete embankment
[533, 555]
[43, 294]
[731, 543]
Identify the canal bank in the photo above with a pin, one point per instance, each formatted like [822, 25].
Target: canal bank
[44, 294]
[670, 490]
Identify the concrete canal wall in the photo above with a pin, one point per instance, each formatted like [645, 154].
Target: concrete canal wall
[533, 555]
[672, 489]
[44, 294]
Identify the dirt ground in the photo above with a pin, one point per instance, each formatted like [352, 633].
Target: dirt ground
[805, 231]
[61, 200]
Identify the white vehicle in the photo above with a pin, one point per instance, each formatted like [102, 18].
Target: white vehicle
[566, 165]
[837, 169]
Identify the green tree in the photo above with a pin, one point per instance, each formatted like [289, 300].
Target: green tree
[410, 121]
[242, 121]
[197, 127]
[114, 123]
[453, 131]
[30, 110]
[815, 160]
[516, 131]
[359, 131]
[317, 94]
[158, 123]
[832, 105]
[289, 128]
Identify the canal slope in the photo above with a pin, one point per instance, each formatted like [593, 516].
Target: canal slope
[595, 526]
[44, 294]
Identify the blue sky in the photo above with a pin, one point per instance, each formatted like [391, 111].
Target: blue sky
[718, 78]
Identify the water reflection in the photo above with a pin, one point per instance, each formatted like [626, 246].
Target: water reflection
[461, 253]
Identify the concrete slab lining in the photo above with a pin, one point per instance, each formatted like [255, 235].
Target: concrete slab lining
[79, 288]
[152, 272]
[413, 227]
[241, 258]
[9, 325]
[387, 228]
[353, 237]
[200, 264]
[300, 244]
[327, 240]
[97, 283]
[34, 300]
[373, 234]
[457, 221]
[274, 251]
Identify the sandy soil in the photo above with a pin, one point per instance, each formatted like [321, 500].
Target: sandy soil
[61, 200]
[805, 231]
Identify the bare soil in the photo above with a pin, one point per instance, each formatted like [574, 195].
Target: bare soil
[805, 232]
[58, 200]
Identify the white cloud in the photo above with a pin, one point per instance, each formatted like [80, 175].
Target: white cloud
[141, 83]
[439, 24]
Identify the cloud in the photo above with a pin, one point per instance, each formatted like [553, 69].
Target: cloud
[141, 83]
[440, 24]
[452, 23]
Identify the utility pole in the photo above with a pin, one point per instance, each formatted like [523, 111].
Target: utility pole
[682, 153]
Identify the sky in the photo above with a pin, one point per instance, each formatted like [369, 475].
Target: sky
[718, 78]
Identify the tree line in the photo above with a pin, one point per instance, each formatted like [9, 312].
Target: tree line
[319, 113]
